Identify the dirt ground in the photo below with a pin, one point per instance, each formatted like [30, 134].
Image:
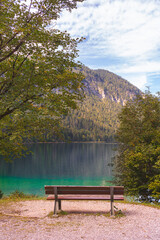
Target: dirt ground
[80, 220]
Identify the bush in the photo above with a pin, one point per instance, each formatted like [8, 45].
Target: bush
[17, 194]
[137, 166]
[1, 194]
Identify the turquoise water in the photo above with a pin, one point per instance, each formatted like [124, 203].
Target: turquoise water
[58, 164]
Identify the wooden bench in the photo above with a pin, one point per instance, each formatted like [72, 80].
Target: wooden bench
[59, 193]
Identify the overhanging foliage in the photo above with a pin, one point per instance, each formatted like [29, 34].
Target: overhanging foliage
[37, 84]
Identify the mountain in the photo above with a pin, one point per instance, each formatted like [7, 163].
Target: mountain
[96, 117]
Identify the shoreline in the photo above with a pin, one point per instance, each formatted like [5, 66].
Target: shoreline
[76, 142]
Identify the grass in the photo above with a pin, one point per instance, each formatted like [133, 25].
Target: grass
[117, 214]
[7, 201]
[59, 214]
[148, 204]
[20, 196]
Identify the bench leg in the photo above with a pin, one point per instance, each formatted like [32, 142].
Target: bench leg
[55, 207]
[112, 208]
[112, 200]
[59, 204]
[56, 200]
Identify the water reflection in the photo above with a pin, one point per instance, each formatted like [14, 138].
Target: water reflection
[61, 163]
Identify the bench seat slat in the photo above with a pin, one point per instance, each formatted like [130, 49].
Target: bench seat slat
[78, 192]
[84, 197]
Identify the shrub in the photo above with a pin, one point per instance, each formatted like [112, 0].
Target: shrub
[137, 165]
[17, 194]
[1, 194]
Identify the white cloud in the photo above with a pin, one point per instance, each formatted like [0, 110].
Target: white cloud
[145, 67]
[124, 29]
[139, 80]
[139, 74]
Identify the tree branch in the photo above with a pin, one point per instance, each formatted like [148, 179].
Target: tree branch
[9, 41]
[16, 48]
[9, 111]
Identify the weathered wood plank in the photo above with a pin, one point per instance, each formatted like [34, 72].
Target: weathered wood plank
[84, 197]
[97, 190]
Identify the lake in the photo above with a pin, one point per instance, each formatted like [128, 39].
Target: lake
[58, 164]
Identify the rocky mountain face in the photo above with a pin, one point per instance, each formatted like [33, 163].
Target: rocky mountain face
[107, 85]
[96, 118]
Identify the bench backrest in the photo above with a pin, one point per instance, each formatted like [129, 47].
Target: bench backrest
[84, 190]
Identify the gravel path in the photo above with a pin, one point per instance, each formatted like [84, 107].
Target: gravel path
[85, 220]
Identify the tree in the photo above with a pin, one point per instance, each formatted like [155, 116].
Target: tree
[137, 165]
[37, 81]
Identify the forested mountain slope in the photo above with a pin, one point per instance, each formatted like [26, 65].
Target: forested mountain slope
[96, 118]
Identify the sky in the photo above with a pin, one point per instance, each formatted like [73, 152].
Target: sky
[122, 36]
